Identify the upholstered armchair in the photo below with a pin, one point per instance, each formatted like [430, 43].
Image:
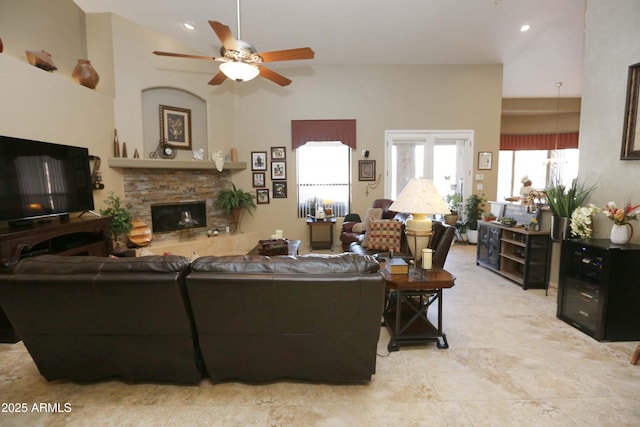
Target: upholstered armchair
[353, 231]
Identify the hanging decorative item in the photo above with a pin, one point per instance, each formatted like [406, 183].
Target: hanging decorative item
[85, 74]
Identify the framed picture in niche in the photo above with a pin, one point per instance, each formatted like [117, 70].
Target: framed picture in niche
[278, 153]
[631, 130]
[175, 126]
[262, 196]
[485, 159]
[366, 170]
[278, 170]
[259, 160]
[279, 190]
[258, 179]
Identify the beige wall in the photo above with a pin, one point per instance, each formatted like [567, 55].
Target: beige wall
[251, 116]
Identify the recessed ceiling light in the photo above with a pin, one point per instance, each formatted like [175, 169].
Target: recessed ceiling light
[525, 27]
[189, 25]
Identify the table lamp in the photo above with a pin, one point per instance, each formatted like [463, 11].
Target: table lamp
[419, 198]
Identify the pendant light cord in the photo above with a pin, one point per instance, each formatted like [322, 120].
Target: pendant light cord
[238, 15]
[558, 85]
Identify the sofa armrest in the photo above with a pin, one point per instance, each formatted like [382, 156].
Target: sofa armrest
[347, 227]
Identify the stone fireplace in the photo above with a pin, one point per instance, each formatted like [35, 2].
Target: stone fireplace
[145, 188]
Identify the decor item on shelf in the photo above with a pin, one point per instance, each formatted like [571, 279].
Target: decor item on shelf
[116, 144]
[419, 198]
[121, 222]
[41, 59]
[136, 155]
[1, 46]
[563, 201]
[241, 61]
[164, 151]
[218, 159]
[85, 74]
[124, 150]
[235, 202]
[622, 230]
[582, 221]
[234, 154]
[473, 210]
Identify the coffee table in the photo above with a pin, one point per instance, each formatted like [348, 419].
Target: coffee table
[294, 245]
[406, 317]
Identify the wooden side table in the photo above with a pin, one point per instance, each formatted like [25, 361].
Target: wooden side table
[406, 317]
[315, 224]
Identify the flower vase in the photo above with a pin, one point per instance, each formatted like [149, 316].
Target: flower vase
[559, 228]
[621, 234]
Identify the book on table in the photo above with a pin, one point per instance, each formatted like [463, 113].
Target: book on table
[396, 266]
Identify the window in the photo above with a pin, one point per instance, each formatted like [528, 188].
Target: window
[324, 177]
[541, 166]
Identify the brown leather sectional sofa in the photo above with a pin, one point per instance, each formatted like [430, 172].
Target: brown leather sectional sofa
[163, 319]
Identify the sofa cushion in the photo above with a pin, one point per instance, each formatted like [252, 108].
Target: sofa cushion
[385, 235]
[348, 263]
[59, 265]
[371, 215]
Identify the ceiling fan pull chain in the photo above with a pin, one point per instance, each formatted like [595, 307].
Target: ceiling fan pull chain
[238, 15]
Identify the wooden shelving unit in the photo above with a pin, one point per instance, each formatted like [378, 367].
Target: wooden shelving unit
[128, 163]
[520, 255]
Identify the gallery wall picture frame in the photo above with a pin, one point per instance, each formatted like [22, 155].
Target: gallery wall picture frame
[366, 170]
[258, 160]
[259, 179]
[278, 153]
[262, 196]
[278, 170]
[485, 160]
[280, 190]
[175, 127]
[631, 130]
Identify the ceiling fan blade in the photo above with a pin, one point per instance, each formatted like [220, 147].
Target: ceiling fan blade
[287, 55]
[274, 77]
[183, 55]
[224, 34]
[218, 79]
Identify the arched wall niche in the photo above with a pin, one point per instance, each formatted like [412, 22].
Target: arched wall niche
[153, 98]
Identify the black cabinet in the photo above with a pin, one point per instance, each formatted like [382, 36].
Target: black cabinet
[518, 254]
[599, 291]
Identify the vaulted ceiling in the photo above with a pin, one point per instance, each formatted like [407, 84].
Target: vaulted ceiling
[391, 32]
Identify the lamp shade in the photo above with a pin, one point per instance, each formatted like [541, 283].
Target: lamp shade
[239, 71]
[420, 197]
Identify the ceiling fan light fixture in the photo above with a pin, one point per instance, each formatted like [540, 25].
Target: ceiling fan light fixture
[239, 71]
[189, 25]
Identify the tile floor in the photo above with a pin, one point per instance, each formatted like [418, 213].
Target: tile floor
[511, 362]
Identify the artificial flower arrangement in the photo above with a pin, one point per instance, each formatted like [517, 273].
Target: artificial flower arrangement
[582, 221]
[621, 216]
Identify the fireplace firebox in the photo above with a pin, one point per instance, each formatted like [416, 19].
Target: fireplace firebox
[178, 216]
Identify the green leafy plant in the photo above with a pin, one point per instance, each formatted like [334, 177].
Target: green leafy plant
[473, 210]
[564, 200]
[453, 200]
[120, 215]
[235, 198]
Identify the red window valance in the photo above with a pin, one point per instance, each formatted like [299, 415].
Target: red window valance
[303, 131]
[539, 142]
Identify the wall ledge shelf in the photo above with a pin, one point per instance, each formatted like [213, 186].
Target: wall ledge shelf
[127, 163]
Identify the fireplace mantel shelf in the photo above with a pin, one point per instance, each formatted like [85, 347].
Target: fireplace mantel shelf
[125, 163]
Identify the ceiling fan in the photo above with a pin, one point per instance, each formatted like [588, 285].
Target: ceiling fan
[241, 61]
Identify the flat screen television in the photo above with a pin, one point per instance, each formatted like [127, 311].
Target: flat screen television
[42, 179]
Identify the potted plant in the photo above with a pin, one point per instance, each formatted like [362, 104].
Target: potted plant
[235, 202]
[562, 201]
[453, 200]
[121, 223]
[473, 209]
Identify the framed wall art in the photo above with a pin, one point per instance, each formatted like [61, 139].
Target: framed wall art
[278, 153]
[258, 179]
[262, 196]
[278, 170]
[258, 160]
[485, 159]
[366, 170]
[175, 126]
[279, 190]
[631, 130]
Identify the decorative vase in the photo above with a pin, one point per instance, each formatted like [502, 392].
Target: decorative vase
[85, 74]
[621, 234]
[1, 46]
[559, 228]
